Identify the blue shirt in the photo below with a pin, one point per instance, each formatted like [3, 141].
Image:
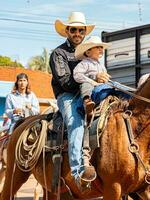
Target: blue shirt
[17, 100]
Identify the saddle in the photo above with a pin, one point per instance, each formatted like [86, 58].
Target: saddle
[56, 126]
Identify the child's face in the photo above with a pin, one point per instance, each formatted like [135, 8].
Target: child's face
[95, 52]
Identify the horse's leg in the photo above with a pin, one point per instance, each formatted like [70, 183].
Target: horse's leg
[112, 192]
[2, 178]
[13, 181]
[49, 195]
[125, 197]
[134, 196]
[36, 191]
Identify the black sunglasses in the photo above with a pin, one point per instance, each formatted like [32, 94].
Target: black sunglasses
[74, 29]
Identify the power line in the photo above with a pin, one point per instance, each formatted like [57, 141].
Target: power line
[28, 13]
[39, 39]
[26, 31]
[25, 21]
[50, 16]
[53, 16]
[44, 23]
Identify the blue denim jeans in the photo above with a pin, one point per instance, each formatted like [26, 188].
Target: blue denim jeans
[67, 104]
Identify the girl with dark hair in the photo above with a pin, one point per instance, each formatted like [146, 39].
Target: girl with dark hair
[16, 86]
[21, 102]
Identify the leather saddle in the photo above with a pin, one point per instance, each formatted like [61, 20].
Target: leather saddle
[56, 126]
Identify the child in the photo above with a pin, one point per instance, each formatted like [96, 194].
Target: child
[90, 72]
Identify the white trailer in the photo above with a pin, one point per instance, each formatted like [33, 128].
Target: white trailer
[129, 56]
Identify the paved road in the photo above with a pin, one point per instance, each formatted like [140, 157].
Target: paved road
[26, 192]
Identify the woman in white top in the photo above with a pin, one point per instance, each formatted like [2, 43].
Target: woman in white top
[21, 102]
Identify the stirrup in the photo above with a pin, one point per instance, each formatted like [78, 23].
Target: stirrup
[82, 185]
[87, 180]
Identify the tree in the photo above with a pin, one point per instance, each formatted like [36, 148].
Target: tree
[7, 62]
[40, 62]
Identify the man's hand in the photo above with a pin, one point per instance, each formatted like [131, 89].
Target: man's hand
[102, 77]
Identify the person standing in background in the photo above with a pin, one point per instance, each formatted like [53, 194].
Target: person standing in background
[21, 102]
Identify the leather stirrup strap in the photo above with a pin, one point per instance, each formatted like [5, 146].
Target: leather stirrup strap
[57, 160]
[86, 137]
[85, 147]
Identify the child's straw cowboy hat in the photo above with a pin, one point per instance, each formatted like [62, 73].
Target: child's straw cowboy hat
[76, 19]
[92, 41]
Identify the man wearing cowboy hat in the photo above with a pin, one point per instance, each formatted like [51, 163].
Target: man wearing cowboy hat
[85, 73]
[66, 90]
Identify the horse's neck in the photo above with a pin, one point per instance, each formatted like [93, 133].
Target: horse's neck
[141, 109]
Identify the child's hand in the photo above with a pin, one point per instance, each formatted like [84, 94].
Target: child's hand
[94, 83]
[102, 77]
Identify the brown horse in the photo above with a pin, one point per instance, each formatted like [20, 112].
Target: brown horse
[119, 172]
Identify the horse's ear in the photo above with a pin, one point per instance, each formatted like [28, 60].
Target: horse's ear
[49, 117]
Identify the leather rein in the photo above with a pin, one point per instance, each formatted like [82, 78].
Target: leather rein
[133, 146]
[111, 83]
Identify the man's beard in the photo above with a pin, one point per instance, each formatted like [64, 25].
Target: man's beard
[77, 40]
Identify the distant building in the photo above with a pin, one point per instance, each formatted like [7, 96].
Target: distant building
[40, 85]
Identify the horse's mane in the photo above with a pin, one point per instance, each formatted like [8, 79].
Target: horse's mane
[119, 106]
[143, 91]
[142, 85]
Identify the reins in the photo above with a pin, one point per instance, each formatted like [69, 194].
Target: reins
[133, 146]
[114, 85]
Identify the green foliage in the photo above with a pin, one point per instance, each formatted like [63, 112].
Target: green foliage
[7, 62]
[40, 62]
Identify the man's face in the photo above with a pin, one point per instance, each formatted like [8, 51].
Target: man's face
[76, 34]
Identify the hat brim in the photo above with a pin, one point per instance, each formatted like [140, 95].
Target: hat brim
[61, 27]
[83, 47]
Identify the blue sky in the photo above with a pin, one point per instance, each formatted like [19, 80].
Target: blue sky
[27, 26]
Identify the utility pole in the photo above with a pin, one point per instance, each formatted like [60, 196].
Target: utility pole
[140, 11]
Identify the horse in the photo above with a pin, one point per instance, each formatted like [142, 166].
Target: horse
[4, 137]
[121, 161]
[3, 155]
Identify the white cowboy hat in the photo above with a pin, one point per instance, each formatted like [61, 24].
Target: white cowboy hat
[92, 41]
[75, 19]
